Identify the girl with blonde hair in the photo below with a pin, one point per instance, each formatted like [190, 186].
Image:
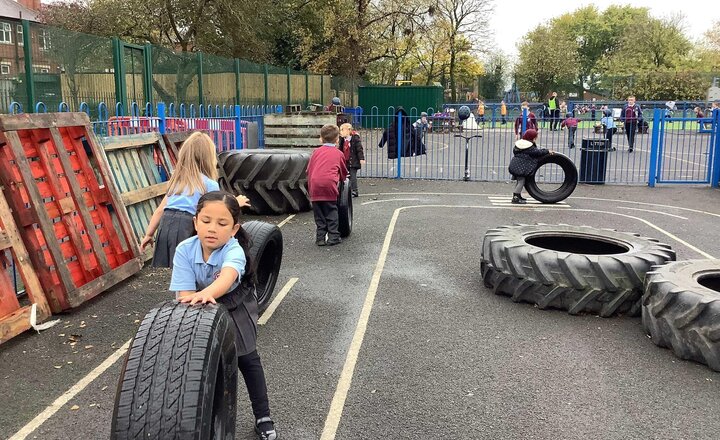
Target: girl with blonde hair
[195, 174]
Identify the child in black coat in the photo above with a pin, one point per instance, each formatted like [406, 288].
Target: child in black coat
[525, 161]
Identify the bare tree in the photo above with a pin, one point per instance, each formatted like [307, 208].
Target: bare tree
[468, 17]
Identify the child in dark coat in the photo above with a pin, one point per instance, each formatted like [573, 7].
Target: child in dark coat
[525, 162]
[326, 169]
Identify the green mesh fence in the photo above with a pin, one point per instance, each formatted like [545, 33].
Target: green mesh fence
[69, 69]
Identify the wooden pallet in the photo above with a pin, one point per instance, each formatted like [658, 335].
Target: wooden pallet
[64, 201]
[134, 161]
[14, 318]
[302, 130]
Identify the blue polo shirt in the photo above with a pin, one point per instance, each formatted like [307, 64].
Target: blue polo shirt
[191, 272]
[188, 202]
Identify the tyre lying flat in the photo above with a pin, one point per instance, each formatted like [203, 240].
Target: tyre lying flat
[580, 269]
[681, 309]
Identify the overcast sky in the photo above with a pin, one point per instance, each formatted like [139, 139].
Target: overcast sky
[513, 18]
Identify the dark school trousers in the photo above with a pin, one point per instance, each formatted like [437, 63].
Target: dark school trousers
[630, 132]
[326, 220]
[353, 179]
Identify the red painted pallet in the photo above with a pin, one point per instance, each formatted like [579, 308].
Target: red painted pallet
[15, 318]
[71, 217]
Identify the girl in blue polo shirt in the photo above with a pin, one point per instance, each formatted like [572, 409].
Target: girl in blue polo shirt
[213, 267]
[195, 174]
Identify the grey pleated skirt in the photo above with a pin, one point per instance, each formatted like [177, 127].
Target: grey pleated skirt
[175, 227]
[243, 308]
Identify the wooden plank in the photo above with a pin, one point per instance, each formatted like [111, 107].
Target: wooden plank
[140, 176]
[4, 241]
[143, 194]
[29, 121]
[16, 323]
[22, 261]
[130, 141]
[292, 131]
[292, 142]
[79, 200]
[106, 281]
[44, 222]
[309, 120]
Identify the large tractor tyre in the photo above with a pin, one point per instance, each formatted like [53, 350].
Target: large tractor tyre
[275, 181]
[179, 379]
[580, 269]
[345, 209]
[681, 309]
[561, 193]
[266, 250]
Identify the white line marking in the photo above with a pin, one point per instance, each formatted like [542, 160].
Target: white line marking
[338, 402]
[69, 394]
[389, 200]
[276, 302]
[282, 223]
[656, 212]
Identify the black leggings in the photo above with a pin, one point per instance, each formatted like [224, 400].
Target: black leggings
[252, 371]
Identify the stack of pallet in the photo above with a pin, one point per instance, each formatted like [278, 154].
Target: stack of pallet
[63, 224]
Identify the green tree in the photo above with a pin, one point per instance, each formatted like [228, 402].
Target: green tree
[464, 18]
[491, 84]
[539, 69]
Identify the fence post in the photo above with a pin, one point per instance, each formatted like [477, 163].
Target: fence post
[399, 147]
[238, 129]
[148, 84]
[162, 122]
[322, 89]
[287, 72]
[119, 67]
[27, 49]
[715, 179]
[201, 99]
[237, 81]
[265, 72]
[307, 90]
[654, 147]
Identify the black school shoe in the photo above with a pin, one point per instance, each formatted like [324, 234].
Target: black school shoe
[355, 194]
[518, 200]
[334, 242]
[320, 242]
[265, 429]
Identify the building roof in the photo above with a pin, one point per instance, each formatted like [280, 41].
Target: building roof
[13, 9]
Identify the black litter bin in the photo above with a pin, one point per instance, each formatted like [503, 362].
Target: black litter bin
[593, 161]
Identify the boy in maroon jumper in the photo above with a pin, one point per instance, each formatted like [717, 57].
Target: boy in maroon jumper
[325, 170]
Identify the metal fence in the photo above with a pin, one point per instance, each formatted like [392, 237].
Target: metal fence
[665, 149]
[53, 65]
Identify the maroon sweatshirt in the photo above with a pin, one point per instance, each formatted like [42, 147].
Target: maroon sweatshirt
[325, 170]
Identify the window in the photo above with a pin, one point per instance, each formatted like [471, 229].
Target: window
[20, 35]
[41, 68]
[5, 69]
[44, 38]
[5, 33]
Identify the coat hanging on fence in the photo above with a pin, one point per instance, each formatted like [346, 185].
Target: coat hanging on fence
[391, 136]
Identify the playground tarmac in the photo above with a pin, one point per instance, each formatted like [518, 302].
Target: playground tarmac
[392, 333]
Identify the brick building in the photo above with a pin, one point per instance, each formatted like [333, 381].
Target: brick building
[12, 57]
